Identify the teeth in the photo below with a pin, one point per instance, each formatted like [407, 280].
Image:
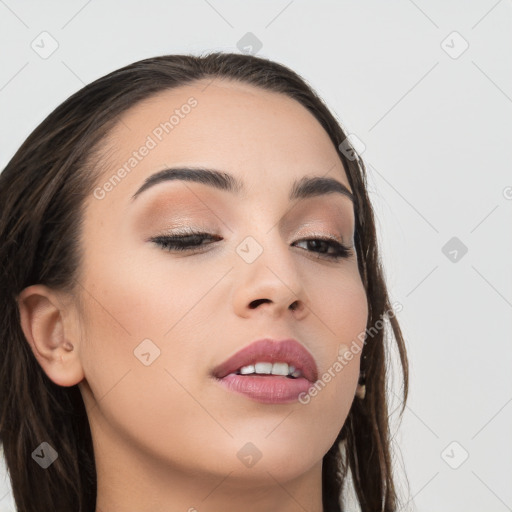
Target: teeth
[263, 368]
[280, 369]
[247, 369]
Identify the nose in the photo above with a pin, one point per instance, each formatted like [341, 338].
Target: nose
[271, 284]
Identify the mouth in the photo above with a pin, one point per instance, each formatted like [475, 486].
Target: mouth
[269, 371]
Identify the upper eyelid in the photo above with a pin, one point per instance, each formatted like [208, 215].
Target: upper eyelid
[306, 211]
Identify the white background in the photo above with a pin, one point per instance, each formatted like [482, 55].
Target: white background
[437, 129]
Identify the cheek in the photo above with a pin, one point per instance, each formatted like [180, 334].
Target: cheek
[144, 403]
[341, 308]
[351, 322]
[123, 321]
[134, 299]
[339, 303]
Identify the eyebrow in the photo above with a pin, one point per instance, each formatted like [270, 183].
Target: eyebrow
[305, 187]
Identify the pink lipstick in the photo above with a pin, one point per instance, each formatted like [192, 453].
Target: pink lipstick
[269, 371]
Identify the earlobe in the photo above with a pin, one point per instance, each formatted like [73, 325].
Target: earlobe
[42, 319]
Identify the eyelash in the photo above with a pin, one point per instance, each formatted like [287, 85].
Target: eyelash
[178, 243]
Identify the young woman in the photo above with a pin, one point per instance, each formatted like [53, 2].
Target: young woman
[194, 314]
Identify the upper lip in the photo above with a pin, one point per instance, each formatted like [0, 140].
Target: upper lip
[270, 351]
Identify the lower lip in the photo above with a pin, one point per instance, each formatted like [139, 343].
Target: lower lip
[267, 389]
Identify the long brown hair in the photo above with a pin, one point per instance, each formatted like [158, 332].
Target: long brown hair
[42, 192]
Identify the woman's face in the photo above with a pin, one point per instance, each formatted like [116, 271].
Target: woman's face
[157, 322]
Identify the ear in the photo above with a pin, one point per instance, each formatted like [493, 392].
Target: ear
[51, 330]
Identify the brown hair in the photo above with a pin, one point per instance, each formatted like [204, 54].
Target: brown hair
[42, 193]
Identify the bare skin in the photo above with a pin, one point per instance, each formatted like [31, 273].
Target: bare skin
[166, 435]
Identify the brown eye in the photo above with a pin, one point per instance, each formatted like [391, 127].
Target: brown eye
[338, 250]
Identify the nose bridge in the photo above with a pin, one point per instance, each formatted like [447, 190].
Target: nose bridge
[263, 246]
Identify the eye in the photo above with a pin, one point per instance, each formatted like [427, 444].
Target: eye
[338, 250]
[189, 240]
[186, 240]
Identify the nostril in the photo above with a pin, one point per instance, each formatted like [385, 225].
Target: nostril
[256, 303]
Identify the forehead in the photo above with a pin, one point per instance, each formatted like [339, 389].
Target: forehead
[227, 105]
[264, 137]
